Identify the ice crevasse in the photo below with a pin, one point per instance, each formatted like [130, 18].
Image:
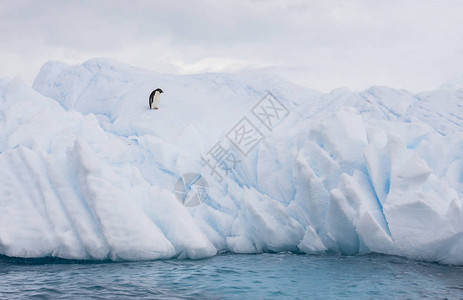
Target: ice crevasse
[88, 171]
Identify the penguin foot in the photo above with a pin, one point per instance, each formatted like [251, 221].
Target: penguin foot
[155, 108]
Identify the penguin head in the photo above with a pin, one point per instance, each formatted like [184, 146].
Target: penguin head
[159, 90]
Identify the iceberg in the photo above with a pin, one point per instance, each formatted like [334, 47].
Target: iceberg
[89, 172]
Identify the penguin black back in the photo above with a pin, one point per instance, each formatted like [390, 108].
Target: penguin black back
[152, 95]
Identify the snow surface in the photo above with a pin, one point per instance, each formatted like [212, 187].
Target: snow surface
[88, 171]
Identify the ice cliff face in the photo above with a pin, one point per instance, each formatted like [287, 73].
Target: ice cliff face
[89, 172]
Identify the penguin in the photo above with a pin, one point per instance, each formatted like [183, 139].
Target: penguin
[156, 94]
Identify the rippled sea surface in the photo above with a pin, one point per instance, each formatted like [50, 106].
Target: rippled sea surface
[227, 276]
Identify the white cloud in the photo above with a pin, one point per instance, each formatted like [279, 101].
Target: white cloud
[219, 64]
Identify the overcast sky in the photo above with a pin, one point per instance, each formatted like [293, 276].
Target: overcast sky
[416, 44]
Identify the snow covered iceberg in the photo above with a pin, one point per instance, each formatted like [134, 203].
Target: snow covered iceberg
[89, 172]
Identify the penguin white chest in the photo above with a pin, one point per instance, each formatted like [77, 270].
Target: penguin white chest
[157, 99]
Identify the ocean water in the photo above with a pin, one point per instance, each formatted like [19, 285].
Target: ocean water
[231, 276]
